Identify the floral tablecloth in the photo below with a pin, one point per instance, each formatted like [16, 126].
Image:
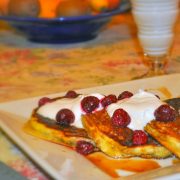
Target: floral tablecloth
[28, 69]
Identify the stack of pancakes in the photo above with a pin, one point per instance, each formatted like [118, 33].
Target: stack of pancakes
[165, 136]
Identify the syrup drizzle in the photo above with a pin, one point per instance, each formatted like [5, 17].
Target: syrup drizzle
[110, 165]
[165, 93]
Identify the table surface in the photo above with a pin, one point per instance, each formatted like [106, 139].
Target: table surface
[29, 69]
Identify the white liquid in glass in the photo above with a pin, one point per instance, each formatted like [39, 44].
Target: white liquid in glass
[155, 20]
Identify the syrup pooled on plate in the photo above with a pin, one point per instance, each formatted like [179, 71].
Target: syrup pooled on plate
[110, 165]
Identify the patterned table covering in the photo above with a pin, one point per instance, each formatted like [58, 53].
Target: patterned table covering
[28, 69]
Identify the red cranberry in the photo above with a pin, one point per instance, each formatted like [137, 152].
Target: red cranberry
[120, 118]
[65, 117]
[139, 137]
[84, 147]
[125, 94]
[44, 100]
[165, 113]
[71, 94]
[89, 104]
[108, 100]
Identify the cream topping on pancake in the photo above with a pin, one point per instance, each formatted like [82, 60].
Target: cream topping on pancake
[140, 107]
[49, 110]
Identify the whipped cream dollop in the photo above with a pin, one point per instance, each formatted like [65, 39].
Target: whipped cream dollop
[49, 110]
[140, 107]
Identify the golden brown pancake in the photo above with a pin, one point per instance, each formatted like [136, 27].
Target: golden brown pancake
[99, 129]
[166, 133]
[49, 130]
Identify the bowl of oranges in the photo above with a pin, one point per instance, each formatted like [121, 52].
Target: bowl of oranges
[59, 21]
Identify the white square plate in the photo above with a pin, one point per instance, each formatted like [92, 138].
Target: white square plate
[63, 163]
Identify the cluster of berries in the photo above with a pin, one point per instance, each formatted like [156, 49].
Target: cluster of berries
[88, 104]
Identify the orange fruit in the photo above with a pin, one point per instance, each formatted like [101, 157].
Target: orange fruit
[104, 5]
[48, 8]
[72, 8]
[24, 8]
[113, 4]
[99, 5]
[4, 7]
